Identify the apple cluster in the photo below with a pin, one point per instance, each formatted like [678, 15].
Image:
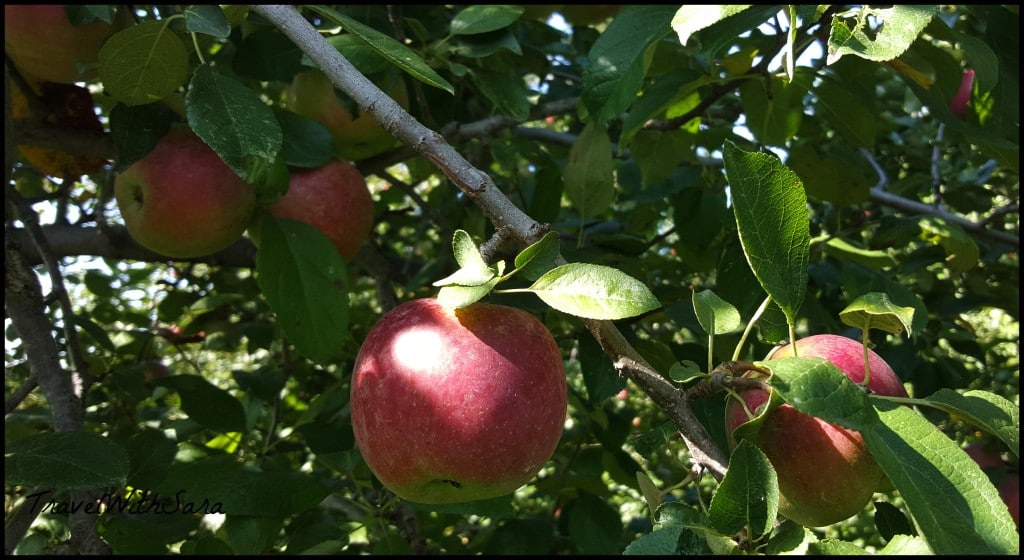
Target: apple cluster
[826, 473]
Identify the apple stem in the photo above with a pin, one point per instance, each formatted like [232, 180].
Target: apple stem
[750, 327]
[711, 348]
[792, 338]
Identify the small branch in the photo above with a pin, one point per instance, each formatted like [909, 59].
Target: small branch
[16, 398]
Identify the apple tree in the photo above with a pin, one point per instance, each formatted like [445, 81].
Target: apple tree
[671, 192]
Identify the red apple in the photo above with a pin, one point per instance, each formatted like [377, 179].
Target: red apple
[312, 95]
[332, 198]
[44, 44]
[826, 473]
[182, 200]
[455, 405]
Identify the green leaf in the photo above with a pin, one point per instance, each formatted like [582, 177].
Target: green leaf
[506, 92]
[94, 330]
[540, 257]
[790, 538]
[815, 386]
[208, 19]
[900, 26]
[844, 250]
[691, 18]
[906, 545]
[851, 115]
[649, 490]
[389, 48]
[137, 129]
[874, 310]
[774, 225]
[748, 497]
[962, 253]
[774, 109]
[956, 507]
[594, 526]
[615, 72]
[454, 296]
[594, 292]
[660, 542]
[483, 18]
[268, 55]
[984, 410]
[660, 153]
[715, 315]
[685, 371]
[473, 271]
[143, 63]
[304, 280]
[305, 142]
[206, 404]
[65, 461]
[233, 120]
[590, 172]
[835, 547]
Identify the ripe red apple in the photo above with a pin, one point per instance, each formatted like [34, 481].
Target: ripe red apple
[44, 44]
[455, 405]
[182, 200]
[312, 95]
[826, 473]
[332, 198]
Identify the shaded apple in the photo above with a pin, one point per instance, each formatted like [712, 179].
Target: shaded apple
[312, 95]
[457, 405]
[332, 198]
[44, 44]
[826, 473]
[181, 200]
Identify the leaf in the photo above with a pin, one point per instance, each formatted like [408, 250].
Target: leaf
[65, 461]
[988, 411]
[844, 250]
[454, 296]
[748, 497]
[874, 310]
[540, 257]
[506, 92]
[615, 71]
[773, 222]
[649, 490]
[660, 542]
[715, 315]
[684, 371]
[389, 48]
[774, 109]
[143, 63]
[233, 120]
[590, 172]
[304, 280]
[206, 404]
[691, 18]
[137, 129]
[815, 386]
[906, 545]
[956, 507]
[962, 253]
[594, 292]
[305, 142]
[268, 55]
[208, 19]
[473, 271]
[901, 25]
[594, 525]
[482, 18]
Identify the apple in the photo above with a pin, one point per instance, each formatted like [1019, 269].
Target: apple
[332, 198]
[586, 14]
[456, 405]
[181, 200]
[312, 95]
[44, 44]
[154, 370]
[826, 473]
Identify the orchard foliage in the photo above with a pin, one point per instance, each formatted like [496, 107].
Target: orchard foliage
[672, 190]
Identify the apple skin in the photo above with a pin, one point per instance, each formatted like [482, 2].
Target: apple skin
[332, 198]
[312, 95]
[458, 405]
[182, 200]
[826, 473]
[44, 44]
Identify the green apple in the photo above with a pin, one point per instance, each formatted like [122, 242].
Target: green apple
[456, 405]
[332, 198]
[44, 44]
[826, 473]
[182, 201]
